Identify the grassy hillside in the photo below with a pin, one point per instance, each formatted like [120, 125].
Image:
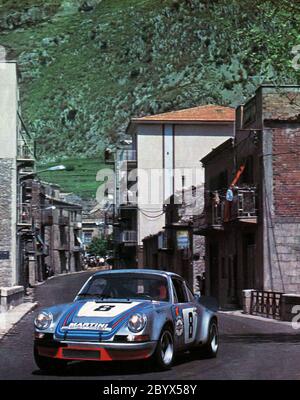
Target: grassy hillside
[79, 177]
[84, 74]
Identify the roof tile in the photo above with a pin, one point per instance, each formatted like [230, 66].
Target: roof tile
[207, 113]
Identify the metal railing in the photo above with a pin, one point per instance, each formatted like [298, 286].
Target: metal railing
[62, 220]
[127, 155]
[244, 203]
[26, 149]
[218, 210]
[129, 236]
[266, 303]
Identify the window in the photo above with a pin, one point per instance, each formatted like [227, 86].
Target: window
[179, 291]
[128, 286]
[189, 293]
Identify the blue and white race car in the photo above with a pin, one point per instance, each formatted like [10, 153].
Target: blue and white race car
[126, 315]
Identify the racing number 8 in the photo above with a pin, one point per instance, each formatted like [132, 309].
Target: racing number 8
[191, 325]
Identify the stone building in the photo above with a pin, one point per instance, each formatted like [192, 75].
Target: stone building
[16, 160]
[252, 202]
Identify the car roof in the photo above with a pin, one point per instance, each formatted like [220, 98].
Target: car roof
[138, 271]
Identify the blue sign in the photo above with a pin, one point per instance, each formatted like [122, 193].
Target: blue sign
[229, 195]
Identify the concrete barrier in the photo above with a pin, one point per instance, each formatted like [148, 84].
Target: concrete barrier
[11, 297]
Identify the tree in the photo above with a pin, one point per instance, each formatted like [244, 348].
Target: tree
[98, 247]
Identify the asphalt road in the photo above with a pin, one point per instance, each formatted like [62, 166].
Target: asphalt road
[249, 349]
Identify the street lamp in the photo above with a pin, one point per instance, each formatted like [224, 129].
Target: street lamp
[54, 168]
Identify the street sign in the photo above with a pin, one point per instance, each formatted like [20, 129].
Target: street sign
[4, 255]
[183, 241]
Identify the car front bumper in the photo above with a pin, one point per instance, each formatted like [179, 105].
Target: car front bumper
[102, 351]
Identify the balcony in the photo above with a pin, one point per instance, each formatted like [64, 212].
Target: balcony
[218, 211]
[127, 156]
[26, 151]
[128, 199]
[243, 207]
[64, 221]
[129, 238]
[25, 215]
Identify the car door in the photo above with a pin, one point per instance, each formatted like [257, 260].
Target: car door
[186, 316]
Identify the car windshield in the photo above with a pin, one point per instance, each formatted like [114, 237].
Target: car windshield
[127, 286]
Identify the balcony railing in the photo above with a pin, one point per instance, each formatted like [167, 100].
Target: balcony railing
[63, 220]
[24, 214]
[26, 149]
[218, 210]
[129, 236]
[266, 303]
[244, 203]
[127, 155]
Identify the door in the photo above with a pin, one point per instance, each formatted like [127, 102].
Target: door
[186, 314]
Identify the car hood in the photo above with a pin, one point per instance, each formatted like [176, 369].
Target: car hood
[96, 320]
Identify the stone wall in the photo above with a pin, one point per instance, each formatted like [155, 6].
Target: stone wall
[6, 239]
[284, 257]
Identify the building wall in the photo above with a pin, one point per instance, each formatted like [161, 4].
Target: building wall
[8, 110]
[193, 142]
[8, 173]
[7, 222]
[150, 158]
[189, 143]
[281, 129]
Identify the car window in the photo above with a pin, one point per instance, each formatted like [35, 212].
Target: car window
[180, 290]
[190, 295]
[133, 286]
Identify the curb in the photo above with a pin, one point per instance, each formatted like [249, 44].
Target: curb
[9, 319]
[238, 313]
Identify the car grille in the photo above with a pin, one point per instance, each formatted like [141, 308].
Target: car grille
[82, 354]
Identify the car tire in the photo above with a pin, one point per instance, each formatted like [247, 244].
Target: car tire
[163, 356]
[48, 364]
[211, 347]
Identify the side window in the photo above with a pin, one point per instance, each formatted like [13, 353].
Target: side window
[189, 293]
[180, 291]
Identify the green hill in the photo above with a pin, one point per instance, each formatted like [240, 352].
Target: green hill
[85, 73]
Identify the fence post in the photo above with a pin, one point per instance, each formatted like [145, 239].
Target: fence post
[247, 301]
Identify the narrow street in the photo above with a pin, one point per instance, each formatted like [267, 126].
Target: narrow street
[250, 349]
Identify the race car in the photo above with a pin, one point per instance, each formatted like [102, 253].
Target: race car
[126, 315]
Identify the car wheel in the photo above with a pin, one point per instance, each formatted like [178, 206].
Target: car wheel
[164, 353]
[48, 364]
[210, 349]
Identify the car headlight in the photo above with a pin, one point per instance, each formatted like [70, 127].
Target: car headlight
[43, 320]
[137, 322]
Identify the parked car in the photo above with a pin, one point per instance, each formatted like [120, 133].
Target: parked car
[126, 315]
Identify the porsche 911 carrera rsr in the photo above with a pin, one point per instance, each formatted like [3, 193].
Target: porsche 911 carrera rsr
[126, 315]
